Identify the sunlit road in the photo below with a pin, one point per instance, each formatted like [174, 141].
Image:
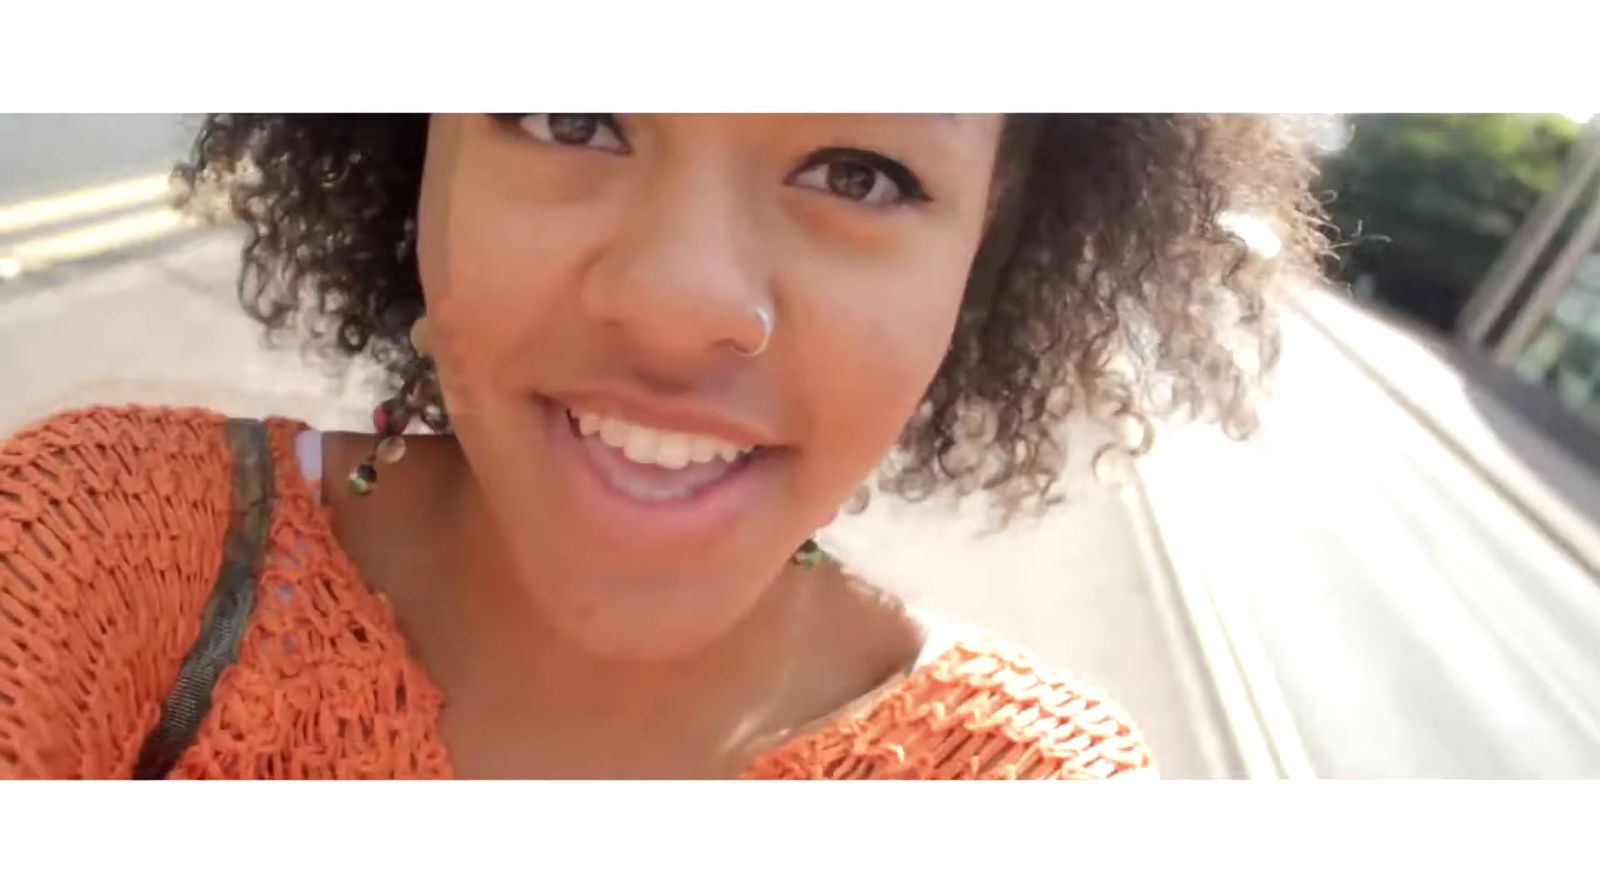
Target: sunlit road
[1394, 613]
[47, 154]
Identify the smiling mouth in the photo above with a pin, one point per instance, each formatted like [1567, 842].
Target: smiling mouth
[655, 466]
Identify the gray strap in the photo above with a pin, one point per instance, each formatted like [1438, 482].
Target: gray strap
[227, 612]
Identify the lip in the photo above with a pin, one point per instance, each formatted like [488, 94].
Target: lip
[657, 529]
[669, 414]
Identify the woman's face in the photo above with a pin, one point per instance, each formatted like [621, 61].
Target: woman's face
[591, 282]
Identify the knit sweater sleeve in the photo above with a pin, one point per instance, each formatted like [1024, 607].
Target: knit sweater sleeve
[111, 528]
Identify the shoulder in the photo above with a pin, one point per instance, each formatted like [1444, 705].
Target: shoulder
[103, 450]
[978, 708]
[80, 439]
[108, 455]
[123, 473]
[156, 428]
[1029, 719]
[111, 521]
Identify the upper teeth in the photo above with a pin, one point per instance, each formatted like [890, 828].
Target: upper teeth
[653, 446]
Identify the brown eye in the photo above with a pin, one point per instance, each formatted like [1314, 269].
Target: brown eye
[859, 176]
[573, 129]
[581, 131]
[852, 181]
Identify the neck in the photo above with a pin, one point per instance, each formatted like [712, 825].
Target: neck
[500, 602]
[813, 642]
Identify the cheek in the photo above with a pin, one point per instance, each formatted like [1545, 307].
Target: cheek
[870, 353]
[491, 275]
[879, 307]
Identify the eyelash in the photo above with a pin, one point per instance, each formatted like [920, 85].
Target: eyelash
[515, 122]
[905, 182]
[911, 189]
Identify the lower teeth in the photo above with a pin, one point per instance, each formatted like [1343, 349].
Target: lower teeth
[646, 492]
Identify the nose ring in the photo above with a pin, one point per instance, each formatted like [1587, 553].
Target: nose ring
[765, 317]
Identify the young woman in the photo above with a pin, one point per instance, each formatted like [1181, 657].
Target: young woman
[661, 351]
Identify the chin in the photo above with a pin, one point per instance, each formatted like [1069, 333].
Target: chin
[622, 576]
[644, 614]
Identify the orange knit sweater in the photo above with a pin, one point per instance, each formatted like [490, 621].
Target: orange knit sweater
[111, 531]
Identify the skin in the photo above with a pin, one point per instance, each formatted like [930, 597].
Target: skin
[576, 636]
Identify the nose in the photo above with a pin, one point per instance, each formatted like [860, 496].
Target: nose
[683, 284]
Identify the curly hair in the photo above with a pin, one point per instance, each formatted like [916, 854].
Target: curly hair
[1108, 281]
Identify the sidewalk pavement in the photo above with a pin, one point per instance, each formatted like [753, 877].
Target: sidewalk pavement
[157, 325]
[1511, 432]
[1085, 586]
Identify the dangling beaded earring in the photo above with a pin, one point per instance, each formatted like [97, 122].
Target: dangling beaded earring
[809, 554]
[419, 397]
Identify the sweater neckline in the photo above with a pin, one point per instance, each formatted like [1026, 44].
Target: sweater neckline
[943, 639]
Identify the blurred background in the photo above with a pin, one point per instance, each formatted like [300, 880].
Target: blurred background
[1397, 576]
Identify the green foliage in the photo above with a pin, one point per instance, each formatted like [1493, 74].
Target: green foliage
[1425, 202]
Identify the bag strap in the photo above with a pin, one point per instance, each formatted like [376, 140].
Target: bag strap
[227, 612]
